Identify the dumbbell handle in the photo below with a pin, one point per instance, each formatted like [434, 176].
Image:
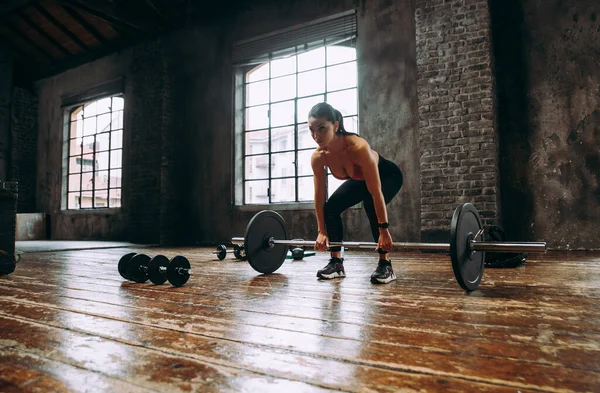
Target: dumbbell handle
[180, 270]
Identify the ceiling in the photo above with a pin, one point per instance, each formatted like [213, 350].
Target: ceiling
[47, 37]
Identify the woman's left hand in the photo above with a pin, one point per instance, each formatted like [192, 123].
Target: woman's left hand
[385, 240]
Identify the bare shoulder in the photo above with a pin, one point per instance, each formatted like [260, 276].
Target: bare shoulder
[358, 146]
[316, 158]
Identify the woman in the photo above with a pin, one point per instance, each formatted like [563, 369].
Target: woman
[370, 179]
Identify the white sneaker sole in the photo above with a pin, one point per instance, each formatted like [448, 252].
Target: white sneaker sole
[332, 275]
[383, 280]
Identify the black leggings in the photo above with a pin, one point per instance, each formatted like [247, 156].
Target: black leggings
[352, 192]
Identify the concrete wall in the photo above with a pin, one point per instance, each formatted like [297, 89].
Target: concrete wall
[548, 81]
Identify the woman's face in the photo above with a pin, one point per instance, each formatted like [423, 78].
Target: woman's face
[322, 130]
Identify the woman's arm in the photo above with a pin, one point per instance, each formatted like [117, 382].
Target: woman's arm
[320, 189]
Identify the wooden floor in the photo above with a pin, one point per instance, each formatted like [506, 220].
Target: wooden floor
[70, 323]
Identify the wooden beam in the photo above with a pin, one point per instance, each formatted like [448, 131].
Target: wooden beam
[60, 26]
[84, 23]
[43, 33]
[118, 15]
[8, 6]
[28, 40]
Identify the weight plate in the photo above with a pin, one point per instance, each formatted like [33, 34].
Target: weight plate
[122, 266]
[467, 266]
[7, 263]
[155, 274]
[175, 276]
[236, 251]
[137, 268]
[264, 225]
[221, 251]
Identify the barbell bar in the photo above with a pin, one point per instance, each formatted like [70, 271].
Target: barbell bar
[266, 244]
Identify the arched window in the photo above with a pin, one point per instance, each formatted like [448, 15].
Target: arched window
[95, 152]
[277, 143]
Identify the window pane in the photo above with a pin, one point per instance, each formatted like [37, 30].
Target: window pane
[257, 167]
[76, 115]
[115, 178]
[103, 124]
[86, 199]
[90, 109]
[311, 59]
[115, 159]
[283, 88]
[283, 164]
[74, 147]
[344, 101]
[304, 138]
[102, 141]
[76, 128]
[103, 105]
[282, 139]
[284, 66]
[117, 103]
[304, 167]
[87, 181]
[116, 139]
[117, 120]
[115, 197]
[257, 93]
[102, 161]
[75, 164]
[87, 162]
[339, 54]
[341, 76]
[351, 124]
[256, 191]
[257, 142]
[332, 184]
[101, 198]
[257, 117]
[311, 82]
[101, 179]
[88, 144]
[89, 126]
[259, 73]
[74, 182]
[305, 105]
[283, 190]
[306, 189]
[282, 113]
[73, 200]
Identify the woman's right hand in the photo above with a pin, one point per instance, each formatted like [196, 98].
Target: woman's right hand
[322, 242]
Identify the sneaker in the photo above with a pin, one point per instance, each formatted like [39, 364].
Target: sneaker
[383, 274]
[334, 269]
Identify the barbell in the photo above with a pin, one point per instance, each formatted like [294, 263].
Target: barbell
[266, 244]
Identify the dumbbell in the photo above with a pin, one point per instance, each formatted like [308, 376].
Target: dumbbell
[140, 267]
[297, 254]
[238, 251]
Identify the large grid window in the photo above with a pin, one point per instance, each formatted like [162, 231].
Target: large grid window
[277, 142]
[95, 154]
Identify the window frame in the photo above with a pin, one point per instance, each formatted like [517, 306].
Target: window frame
[70, 104]
[239, 157]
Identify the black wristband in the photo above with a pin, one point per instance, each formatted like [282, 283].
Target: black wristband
[383, 225]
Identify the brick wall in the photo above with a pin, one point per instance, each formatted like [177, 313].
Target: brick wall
[144, 156]
[459, 152]
[8, 212]
[24, 147]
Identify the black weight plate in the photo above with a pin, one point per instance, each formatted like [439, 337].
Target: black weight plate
[176, 277]
[136, 268]
[236, 251]
[122, 266]
[467, 266]
[155, 274]
[264, 225]
[221, 251]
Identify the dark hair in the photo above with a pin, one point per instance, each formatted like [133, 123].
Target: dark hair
[324, 110]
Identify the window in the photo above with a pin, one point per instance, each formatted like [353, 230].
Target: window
[277, 143]
[95, 152]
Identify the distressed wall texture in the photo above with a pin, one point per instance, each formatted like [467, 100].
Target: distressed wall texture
[459, 151]
[549, 114]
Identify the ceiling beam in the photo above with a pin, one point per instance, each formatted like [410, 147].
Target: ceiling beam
[7, 6]
[84, 23]
[61, 27]
[17, 32]
[32, 25]
[120, 15]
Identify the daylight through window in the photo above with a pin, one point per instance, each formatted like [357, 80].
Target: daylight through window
[95, 154]
[277, 143]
